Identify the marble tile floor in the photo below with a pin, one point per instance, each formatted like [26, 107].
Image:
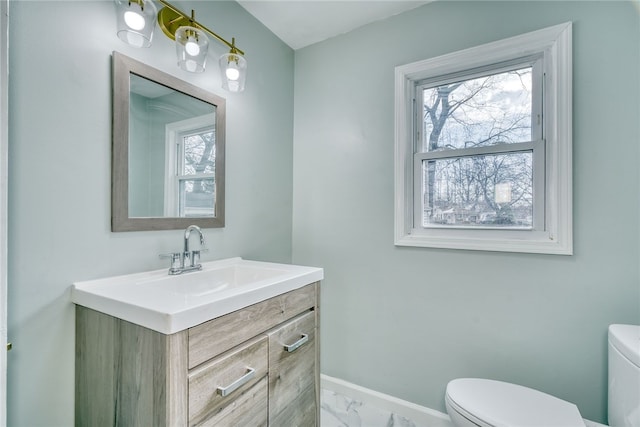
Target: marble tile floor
[337, 410]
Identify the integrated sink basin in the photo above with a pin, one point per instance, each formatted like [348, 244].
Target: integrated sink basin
[169, 304]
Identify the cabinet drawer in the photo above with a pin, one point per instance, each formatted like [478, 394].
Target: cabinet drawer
[216, 336]
[248, 409]
[292, 373]
[223, 387]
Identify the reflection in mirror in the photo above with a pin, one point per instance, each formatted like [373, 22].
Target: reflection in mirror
[171, 152]
[168, 169]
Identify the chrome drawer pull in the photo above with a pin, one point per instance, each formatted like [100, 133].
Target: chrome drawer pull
[296, 345]
[225, 391]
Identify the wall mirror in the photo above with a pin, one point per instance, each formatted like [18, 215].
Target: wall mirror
[168, 151]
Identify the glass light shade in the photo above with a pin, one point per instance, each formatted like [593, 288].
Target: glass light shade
[192, 45]
[136, 21]
[233, 68]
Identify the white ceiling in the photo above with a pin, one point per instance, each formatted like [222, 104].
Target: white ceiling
[300, 23]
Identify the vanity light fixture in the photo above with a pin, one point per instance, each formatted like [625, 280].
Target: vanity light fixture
[136, 22]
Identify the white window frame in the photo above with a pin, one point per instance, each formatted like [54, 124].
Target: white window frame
[553, 235]
[173, 134]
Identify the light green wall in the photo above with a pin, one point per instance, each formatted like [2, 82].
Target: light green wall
[405, 321]
[59, 183]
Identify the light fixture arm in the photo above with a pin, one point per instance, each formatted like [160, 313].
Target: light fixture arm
[170, 19]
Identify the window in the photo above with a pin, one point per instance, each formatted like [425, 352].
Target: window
[483, 147]
[191, 162]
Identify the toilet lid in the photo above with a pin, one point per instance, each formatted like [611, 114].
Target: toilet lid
[500, 404]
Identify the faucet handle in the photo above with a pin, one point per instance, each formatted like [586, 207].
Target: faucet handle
[195, 256]
[175, 258]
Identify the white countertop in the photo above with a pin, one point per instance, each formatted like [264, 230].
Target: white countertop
[169, 304]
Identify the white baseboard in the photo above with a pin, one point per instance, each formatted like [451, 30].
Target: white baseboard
[420, 415]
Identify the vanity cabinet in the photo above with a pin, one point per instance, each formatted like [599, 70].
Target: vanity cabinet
[258, 366]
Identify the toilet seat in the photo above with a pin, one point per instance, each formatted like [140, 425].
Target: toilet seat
[489, 403]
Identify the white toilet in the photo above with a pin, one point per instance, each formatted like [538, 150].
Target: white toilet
[474, 402]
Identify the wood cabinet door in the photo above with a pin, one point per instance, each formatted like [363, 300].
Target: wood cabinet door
[292, 373]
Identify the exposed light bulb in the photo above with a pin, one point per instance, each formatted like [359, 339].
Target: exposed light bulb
[192, 48]
[134, 20]
[232, 73]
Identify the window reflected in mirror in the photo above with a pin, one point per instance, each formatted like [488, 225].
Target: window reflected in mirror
[190, 189]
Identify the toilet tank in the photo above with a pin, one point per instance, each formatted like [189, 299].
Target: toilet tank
[624, 376]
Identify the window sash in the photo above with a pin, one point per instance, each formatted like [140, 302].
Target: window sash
[536, 62]
[537, 145]
[538, 159]
[181, 147]
[182, 194]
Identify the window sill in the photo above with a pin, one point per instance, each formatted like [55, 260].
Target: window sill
[479, 240]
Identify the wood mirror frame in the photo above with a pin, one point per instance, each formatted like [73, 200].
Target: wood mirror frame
[123, 68]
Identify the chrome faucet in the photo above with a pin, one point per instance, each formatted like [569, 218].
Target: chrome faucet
[188, 260]
[194, 256]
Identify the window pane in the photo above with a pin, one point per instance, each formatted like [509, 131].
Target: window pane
[197, 197]
[493, 191]
[199, 153]
[478, 112]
